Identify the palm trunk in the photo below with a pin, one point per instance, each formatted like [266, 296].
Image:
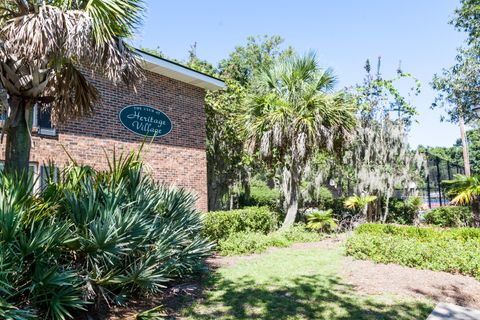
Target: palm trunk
[290, 187]
[17, 151]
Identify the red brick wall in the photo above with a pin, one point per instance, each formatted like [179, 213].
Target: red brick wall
[178, 158]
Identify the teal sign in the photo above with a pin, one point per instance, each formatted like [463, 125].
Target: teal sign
[145, 121]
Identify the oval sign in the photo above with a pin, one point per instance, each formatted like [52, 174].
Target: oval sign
[145, 121]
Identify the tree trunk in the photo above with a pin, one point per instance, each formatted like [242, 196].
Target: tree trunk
[476, 212]
[466, 158]
[385, 215]
[17, 151]
[291, 178]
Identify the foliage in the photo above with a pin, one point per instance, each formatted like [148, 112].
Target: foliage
[458, 85]
[455, 251]
[93, 235]
[382, 161]
[358, 202]
[379, 159]
[223, 224]
[377, 97]
[420, 233]
[291, 111]
[466, 19]
[44, 67]
[255, 242]
[465, 190]
[262, 195]
[404, 211]
[450, 216]
[321, 221]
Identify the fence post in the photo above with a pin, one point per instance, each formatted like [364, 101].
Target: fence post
[437, 162]
[428, 191]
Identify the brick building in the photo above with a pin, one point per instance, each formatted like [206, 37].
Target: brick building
[177, 158]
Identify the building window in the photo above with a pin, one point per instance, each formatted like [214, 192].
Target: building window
[42, 119]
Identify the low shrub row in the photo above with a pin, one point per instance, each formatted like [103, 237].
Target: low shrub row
[421, 233]
[223, 224]
[255, 242]
[454, 250]
[449, 216]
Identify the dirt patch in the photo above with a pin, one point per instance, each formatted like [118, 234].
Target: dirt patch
[372, 278]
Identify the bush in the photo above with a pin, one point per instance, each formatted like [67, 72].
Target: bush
[454, 250]
[262, 195]
[255, 242]
[222, 224]
[404, 211]
[94, 235]
[450, 216]
[321, 221]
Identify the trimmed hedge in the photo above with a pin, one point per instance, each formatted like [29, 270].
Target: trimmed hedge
[454, 250]
[222, 224]
[255, 242]
[423, 233]
[450, 216]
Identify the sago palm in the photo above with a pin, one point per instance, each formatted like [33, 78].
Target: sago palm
[465, 190]
[359, 203]
[292, 111]
[43, 46]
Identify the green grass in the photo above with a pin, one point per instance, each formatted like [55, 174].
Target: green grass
[295, 284]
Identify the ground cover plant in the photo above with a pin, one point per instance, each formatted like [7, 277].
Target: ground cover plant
[92, 237]
[454, 250]
[307, 287]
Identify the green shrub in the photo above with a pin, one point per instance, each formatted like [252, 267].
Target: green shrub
[262, 195]
[450, 216]
[404, 211]
[453, 250]
[255, 242]
[423, 233]
[93, 235]
[222, 224]
[321, 221]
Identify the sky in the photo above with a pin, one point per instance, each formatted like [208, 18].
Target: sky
[343, 33]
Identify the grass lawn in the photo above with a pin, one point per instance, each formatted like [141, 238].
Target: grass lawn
[294, 284]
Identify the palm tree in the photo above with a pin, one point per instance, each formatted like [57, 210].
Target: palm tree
[44, 44]
[292, 111]
[465, 190]
[359, 203]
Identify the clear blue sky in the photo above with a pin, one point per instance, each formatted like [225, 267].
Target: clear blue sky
[343, 33]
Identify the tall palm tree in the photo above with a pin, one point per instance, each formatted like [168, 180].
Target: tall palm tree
[292, 111]
[44, 44]
[465, 190]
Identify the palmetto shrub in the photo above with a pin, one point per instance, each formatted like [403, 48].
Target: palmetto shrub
[92, 236]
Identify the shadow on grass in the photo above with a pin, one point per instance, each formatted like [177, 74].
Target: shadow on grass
[303, 297]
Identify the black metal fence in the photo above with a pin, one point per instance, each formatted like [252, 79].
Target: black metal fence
[438, 170]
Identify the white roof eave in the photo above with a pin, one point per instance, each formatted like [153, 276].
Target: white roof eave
[178, 72]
